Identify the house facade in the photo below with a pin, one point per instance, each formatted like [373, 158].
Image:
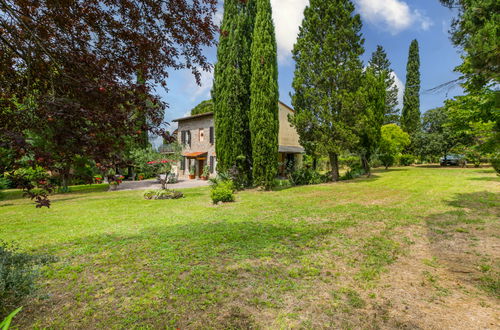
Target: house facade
[196, 134]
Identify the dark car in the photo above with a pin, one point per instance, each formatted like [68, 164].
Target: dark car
[453, 160]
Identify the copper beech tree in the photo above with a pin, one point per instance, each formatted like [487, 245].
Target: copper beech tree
[78, 77]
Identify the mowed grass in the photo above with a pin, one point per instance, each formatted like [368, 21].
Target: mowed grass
[304, 257]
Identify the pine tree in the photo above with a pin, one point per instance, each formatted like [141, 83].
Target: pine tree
[372, 100]
[231, 91]
[327, 78]
[382, 67]
[410, 117]
[264, 124]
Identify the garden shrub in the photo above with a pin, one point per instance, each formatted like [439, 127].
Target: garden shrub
[4, 183]
[406, 160]
[223, 191]
[281, 183]
[305, 176]
[387, 159]
[163, 194]
[18, 274]
[353, 173]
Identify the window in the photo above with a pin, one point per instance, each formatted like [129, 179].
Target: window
[211, 135]
[212, 165]
[183, 137]
[183, 163]
[201, 134]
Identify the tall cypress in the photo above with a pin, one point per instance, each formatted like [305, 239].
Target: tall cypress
[231, 90]
[382, 67]
[410, 117]
[264, 124]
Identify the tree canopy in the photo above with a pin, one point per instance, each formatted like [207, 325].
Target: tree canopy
[203, 107]
[327, 78]
[382, 67]
[78, 77]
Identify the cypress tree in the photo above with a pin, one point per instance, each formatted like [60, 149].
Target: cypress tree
[231, 90]
[410, 117]
[382, 67]
[264, 123]
[328, 74]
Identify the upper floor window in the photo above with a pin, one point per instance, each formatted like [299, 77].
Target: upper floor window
[201, 134]
[186, 137]
[212, 135]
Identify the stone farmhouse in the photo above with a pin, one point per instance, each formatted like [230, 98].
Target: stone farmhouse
[196, 134]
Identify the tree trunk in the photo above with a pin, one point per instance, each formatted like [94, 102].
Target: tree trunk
[64, 180]
[366, 165]
[334, 163]
[315, 163]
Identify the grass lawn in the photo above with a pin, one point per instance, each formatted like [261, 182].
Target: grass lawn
[410, 247]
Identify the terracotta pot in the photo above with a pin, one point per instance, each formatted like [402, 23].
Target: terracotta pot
[113, 187]
[205, 178]
[192, 176]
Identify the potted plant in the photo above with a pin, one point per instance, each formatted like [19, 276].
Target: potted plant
[98, 179]
[206, 172]
[140, 176]
[192, 171]
[114, 181]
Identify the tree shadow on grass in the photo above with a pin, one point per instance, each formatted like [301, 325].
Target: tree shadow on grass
[184, 273]
[486, 178]
[465, 239]
[15, 194]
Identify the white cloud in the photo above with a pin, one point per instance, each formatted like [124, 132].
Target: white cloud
[396, 15]
[196, 91]
[287, 16]
[401, 89]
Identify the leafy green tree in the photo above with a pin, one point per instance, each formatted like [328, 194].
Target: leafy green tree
[327, 77]
[392, 143]
[410, 116]
[231, 91]
[373, 108]
[475, 30]
[475, 117]
[203, 107]
[382, 67]
[437, 137]
[264, 124]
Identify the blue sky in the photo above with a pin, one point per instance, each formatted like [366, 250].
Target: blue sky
[390, 23]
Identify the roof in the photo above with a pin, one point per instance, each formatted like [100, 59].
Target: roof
[211, 114]
[291, 150]
[195, 154]
[194, 116]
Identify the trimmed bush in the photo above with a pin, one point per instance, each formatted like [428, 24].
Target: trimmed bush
[163, 194]
[222, 192]
[18, 274]
[406, 160]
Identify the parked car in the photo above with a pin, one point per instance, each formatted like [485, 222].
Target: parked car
[453, 160]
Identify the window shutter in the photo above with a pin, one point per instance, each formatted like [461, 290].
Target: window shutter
[211, 135]
[211, 162]
[188, 137]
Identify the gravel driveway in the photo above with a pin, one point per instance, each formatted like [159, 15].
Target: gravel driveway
[154, 184]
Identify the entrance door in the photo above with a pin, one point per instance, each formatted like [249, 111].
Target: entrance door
[201, 164]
